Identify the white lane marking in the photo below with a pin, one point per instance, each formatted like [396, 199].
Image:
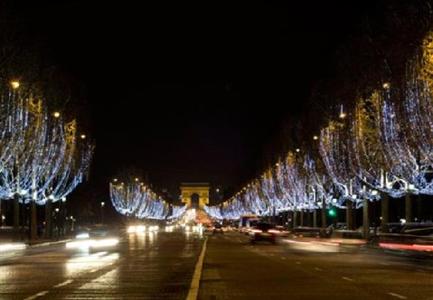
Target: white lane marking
[397, 295]
[93, 271]
[347, 278]
[40, 294]
[63, 283]
[195, 282]
[283, 258]
[318, 269]
[384, 264]
[298, 263]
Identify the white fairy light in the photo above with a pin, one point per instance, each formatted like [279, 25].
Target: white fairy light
[134, 199]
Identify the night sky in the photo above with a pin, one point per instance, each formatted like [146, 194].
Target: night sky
[191, 92]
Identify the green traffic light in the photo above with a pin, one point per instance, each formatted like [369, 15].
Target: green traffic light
[332, 212]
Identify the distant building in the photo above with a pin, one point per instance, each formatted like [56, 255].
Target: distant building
[195, 194]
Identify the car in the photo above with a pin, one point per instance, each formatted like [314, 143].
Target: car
[263, 232]
[280, 231]
[94, 239]
[308, 232]
[218, 229]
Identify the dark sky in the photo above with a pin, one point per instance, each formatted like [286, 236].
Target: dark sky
[191, 92]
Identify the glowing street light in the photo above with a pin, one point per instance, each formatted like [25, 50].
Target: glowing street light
[315, 137]
[386, 85]
[83, 136]
[102, 212]
[15, 84]
[56, 114]
[342, 113]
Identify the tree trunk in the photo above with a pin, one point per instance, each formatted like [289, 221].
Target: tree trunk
[33, 222]
[294, 219]
[48, 220]
[365, 220]
[384, 211]
[323, 211]
[419, 209]
[349, 215]
[315, 218]
[408, 207]
[16, 213]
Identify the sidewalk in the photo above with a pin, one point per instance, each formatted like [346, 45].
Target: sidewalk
[10, 241]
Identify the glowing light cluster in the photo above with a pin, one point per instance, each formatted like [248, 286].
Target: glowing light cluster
[135, 199]
[383, 146]
[40, 158]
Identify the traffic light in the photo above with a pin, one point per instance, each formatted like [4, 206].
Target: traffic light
[332, 212]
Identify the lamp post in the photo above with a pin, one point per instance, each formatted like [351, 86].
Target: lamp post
[102, 212]
[63, 216]
[57, 218]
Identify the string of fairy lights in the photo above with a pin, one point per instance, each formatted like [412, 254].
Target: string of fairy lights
[384, 146]
[133, 198]
[42, 157]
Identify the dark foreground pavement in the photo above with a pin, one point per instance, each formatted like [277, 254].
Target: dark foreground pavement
[144, 266]
[234, 269]
[161, 266]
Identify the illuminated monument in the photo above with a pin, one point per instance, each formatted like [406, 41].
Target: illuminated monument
[195, 195]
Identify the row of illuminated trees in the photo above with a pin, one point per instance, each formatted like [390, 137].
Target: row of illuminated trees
[381, 147]
[43, 157]
[134, 199]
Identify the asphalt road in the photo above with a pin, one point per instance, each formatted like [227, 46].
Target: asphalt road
[234, 269]
[143, 266]
[161, 266]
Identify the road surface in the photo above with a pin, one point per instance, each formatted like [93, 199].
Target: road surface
[146, 266]
[161, 266]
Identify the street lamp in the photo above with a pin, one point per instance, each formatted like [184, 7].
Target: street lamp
[386, 85]
[102, 212]
[15, 84]
[342, 113]
[83, 136]
[56, 114]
